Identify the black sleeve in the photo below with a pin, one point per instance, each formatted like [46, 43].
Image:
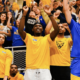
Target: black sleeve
[24, 3]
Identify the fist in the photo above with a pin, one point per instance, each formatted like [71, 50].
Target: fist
[25, 9]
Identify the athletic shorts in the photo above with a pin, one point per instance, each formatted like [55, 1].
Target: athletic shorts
[2, 79]
[75, 67]
[73, 77]
[37, 74]
[60, 72]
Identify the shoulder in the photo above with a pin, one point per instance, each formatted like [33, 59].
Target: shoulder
[20, 76]
[8, 52]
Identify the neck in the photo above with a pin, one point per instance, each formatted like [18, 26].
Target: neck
[60, 35]
[2, 21]
[37, 34]
[0, 46]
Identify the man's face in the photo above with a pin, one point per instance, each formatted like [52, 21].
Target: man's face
[55, 5]
[13, 69]
[32, 14]
[37, 28]
[61, 28]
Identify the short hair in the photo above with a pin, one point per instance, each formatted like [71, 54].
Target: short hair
[14, 64]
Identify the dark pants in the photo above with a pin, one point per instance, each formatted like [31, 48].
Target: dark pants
[2, 79]
[60, 72]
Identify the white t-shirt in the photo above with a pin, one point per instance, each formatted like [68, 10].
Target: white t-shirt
[3, 28]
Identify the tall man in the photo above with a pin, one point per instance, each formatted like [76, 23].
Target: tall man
[38, 48]
[75, 31]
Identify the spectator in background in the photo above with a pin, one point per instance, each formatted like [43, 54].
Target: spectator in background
[5, 59]
[60, 55]
[30, 20]
[16, 38]
[14, 74]
[1, 6]
[40, 19]
[3, 25]
[9, 38]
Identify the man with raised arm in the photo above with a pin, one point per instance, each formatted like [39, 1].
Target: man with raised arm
[38, 48]
[75, 53]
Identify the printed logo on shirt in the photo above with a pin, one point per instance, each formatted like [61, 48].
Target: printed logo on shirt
[3, 52]
[30, 21]
[59, 44]
[1, 28]
[16, 32]
[34, 39]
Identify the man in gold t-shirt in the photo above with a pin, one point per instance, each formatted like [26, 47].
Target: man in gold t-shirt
[60, 55]
[38, 48]
[14, 74]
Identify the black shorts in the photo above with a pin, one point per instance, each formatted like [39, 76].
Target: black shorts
[2, 79]
[60, 72]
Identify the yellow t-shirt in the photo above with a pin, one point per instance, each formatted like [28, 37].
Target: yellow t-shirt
[46, 2]
[5, 62]
[60, 53]
[17, 77]
[38, 52]
[74, 77]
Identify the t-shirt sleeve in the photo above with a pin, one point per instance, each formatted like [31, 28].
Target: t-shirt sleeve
[7, 28]
[51, 43]
[8, 62]
[26, 38]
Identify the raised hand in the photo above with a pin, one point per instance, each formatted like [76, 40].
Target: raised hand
[66, 27]
[10, 16]
[25, 10]
[40, 5]
[47, 9]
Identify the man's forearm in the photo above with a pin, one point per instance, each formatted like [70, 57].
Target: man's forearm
[65, 4]
[22, 23]
[55, 26]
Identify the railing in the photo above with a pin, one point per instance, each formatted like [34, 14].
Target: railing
[19, 54]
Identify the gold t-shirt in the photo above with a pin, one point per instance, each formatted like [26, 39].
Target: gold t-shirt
[60, 52]
[5, 62]
[38, 52]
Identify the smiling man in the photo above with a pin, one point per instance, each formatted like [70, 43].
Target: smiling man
[38, 48]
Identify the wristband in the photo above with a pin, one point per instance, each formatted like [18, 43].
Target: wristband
[50, 15]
